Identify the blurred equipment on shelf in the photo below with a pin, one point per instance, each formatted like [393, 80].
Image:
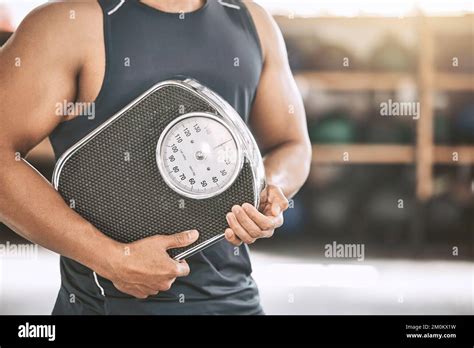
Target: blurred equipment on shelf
[390, 209]
[382, 207]
[335, 127]
[445, 218]
[323, 176]
[464, 125]
[331, 210]
[392, 55]
[442, 128]
[388, 130]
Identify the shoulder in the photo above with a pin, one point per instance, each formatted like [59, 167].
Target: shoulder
[61, 15]
[60, 28]
[268, 31]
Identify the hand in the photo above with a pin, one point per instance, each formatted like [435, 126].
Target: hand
[144, 268]
[247, 224]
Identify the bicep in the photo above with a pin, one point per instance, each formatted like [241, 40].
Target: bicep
[278, 114]
[35, 76]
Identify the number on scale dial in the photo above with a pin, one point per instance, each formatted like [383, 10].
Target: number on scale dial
[198, 155]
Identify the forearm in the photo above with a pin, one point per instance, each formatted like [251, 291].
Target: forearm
[31, 207]
[287, 166]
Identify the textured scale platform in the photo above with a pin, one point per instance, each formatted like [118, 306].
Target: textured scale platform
[126, 198]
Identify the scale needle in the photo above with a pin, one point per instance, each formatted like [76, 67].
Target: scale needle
[225, 142]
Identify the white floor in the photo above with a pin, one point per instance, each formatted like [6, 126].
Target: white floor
[29, 284]
[289, 285]
[295, 286]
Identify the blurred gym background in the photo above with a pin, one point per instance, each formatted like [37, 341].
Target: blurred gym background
[400, 187]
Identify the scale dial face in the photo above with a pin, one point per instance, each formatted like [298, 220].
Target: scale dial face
[198, 155]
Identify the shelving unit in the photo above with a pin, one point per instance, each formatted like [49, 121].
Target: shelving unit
[357, 81]
[388, 154]
[424, 154]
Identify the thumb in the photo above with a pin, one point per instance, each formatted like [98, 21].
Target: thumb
[181, 239]
[278, 201]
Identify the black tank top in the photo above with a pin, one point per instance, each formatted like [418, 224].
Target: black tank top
[217, 45]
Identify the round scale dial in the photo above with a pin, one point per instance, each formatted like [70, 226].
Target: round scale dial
[198, 155]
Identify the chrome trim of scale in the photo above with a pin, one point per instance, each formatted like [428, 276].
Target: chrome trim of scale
[251, 149]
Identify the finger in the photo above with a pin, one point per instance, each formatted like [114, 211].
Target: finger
[238, 230]
[278, 220]
[277, 199]
[164, 282]
[132, 290]
[180, 268]
[166, 285]
[146, 290]
[246, 222]
[232, 238]
[138, 294]
[182, 239]
[262, 221]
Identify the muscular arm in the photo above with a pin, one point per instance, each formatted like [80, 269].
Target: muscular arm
[278, 122]
[278, 118]
[39, 67]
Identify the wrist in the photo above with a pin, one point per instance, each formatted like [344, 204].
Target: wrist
[110, 259]
[106, 257]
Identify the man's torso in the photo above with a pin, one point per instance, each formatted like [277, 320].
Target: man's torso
[218, 46]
